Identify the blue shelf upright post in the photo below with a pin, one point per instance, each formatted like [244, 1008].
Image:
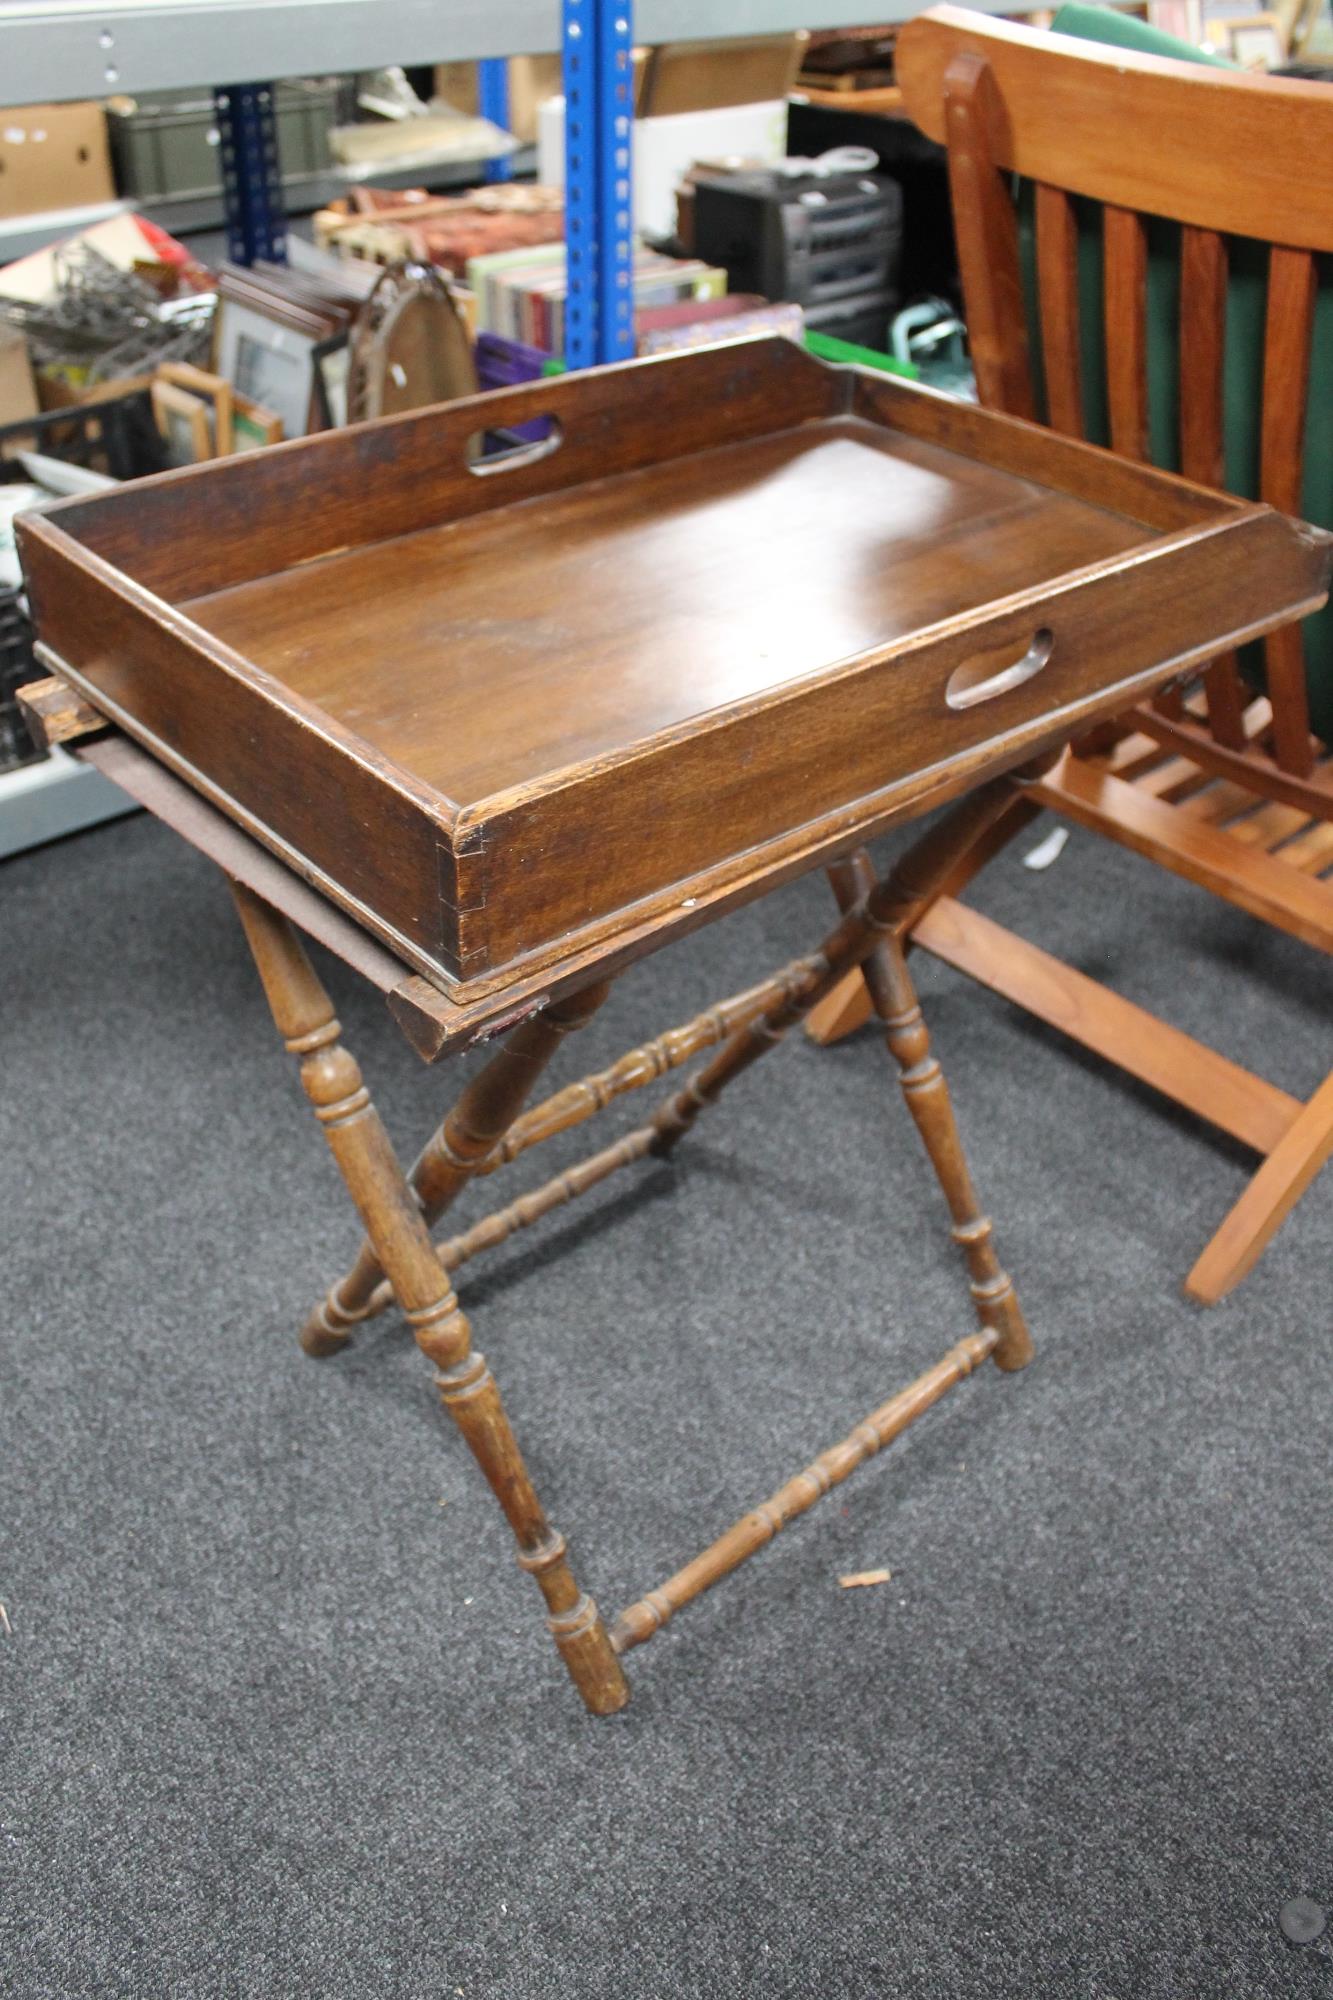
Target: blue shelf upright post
[493, 103]
[251, 177]
[599, 208]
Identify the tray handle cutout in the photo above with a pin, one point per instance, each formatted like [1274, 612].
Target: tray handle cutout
[983, 676]
[512, 457]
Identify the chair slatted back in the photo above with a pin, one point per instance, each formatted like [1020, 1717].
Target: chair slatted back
[1223, 155]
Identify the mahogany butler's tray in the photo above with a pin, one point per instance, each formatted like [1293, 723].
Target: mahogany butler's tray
[739, 611]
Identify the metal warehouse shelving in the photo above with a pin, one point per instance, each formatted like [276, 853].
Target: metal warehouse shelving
[73, 49]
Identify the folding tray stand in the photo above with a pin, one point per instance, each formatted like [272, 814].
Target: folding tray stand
[521, 722]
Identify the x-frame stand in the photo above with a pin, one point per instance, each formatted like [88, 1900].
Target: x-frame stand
[489, 1126]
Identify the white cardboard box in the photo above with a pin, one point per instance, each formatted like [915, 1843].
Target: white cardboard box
[666, 148]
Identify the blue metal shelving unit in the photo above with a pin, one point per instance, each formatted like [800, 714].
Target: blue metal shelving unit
[493, 103]
[599, 209]
[597, 43]
[251, 175]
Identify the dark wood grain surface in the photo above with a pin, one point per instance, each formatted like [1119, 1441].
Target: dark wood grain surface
[484, 653]
[749, 609]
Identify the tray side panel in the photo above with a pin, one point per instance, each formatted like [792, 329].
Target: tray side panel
[336, 819]
[1160, 500]
[553, 863]
[187, 533]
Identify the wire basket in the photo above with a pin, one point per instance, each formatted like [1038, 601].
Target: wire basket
[17, 665]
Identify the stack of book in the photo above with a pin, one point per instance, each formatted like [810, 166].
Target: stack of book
[521, 293]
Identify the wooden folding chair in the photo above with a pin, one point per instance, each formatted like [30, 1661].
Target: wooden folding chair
[1124, 274]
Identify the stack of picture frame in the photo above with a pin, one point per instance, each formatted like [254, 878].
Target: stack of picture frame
[200, 415]
[280, 338]
[309, 347]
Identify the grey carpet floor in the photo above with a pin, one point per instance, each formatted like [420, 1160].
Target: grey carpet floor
[280, 1717]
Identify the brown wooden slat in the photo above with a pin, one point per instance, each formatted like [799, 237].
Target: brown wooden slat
[1057, 279]
[1178, 778]
[1284, 669]
[1268, 825]
[1221, 801]
[1252, 1110]
[1291, 301]
[1132, 755]
[1125, 258]
[1256, 716]
[1267, 888]
[1125, 303]
[1267, 1201]
[1251, 766]
[987, 240]
[1226, 701]
[1312, 852]
[1203, 308]
[1287, 338]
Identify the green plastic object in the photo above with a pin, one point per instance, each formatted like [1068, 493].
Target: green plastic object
[1123, 31]
[823, 345]
[1247, 294]
[827, 347]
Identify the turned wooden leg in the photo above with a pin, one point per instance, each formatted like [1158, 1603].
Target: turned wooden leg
[458, 1149]
[882, 908]
[395, 1227]
[893, 997]
[848, 1006]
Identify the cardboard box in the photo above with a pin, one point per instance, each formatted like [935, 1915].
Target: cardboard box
[709, 76]
[532, 79]
[18, 391]
[53, 156]
[666, 148]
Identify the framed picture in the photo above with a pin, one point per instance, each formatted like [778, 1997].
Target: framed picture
[253, 426]
[266, 347]
[332, 361]
[214, 390]
[183, 420]
[1256, 41]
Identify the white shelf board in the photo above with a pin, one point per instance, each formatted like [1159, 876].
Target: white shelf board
[20, 235]
[41, 802]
